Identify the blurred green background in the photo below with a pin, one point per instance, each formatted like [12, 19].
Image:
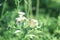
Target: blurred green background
[47, 12]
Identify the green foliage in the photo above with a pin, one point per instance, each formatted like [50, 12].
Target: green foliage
[48, 28]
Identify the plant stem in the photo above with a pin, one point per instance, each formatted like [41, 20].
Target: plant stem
[30, 8]
[26, 7]
[37, 8]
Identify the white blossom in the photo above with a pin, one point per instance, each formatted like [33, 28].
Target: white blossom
[36, 22]
[33, 23]
[20, 19]
[21, 13]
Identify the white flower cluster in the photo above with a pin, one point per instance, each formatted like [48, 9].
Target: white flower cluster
[32, 22]
[21, 17]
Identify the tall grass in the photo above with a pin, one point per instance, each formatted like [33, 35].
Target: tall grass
[28, 7]
[3, 9]
[37, 8]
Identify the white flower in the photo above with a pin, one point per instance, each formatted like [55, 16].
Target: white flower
[17, 31]
[21, 13]
[20, 19]
[23, 18]
[33, 23]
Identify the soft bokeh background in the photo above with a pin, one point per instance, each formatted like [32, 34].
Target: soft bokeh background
[47, 12]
